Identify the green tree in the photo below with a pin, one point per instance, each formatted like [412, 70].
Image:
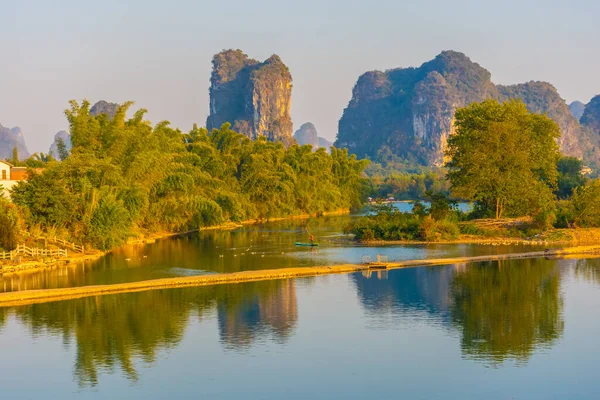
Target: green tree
[585, 205]
[63, 153]
[504, 158]
[15, 156]
[10, 229]
[569, 176]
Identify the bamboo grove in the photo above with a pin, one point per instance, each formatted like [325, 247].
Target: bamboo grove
[126, 176]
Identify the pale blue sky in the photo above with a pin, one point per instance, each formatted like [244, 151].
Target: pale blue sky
[158, 53]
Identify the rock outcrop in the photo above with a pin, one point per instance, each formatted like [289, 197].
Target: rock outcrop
[325, 143]
[104, 107]
[307, 134]
[542, 97]
[253, 97]
[408, 112]
[577, 108]
[591, 116]
[66, 138]
[11, 138]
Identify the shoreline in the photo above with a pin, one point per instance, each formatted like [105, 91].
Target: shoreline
[30, 265]
[28, 297]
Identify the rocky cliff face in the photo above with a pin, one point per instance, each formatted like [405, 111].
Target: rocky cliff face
[254, 97]
[103, 107]
[66, 138]
[11, 138]
[577, 108]
[542, 97]
[591, 116]
[409, 112]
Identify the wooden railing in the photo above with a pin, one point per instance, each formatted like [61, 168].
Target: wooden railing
[64, 243]
[32, 252]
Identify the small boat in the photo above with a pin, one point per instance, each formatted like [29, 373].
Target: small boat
[307, 244]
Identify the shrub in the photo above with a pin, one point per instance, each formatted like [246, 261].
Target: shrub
[10, 225]
[432, 230]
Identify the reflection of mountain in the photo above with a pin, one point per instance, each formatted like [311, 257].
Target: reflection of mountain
[270, 311]
[111, 332]
[421, 290]
[503, 310]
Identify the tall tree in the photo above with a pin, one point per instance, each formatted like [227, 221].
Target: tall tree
[504, 158]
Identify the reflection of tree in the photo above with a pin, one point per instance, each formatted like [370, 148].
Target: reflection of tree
[3, 317]
[110, 332]
[507, 309]
[588, 269]
[245, 314]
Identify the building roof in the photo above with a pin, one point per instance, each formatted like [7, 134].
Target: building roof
[7, 163]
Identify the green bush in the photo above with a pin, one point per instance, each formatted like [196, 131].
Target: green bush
[9, 225]
[109, 226]
[432, 230]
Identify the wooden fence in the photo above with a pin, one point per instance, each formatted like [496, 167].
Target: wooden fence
[64, 243]
[32, 252]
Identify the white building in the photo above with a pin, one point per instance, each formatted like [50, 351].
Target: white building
[10, 176]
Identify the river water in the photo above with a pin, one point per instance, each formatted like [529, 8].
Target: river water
[521, 329]
[251, 247]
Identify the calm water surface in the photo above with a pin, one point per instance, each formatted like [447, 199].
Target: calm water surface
[249, 248]
[524, 329]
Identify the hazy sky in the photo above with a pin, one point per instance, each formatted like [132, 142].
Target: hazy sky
[158, 53]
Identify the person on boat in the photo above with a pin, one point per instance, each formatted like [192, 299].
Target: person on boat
[312, 239]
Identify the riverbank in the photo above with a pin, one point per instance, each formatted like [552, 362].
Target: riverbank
[578, 236]
[48, 295]
[29, 265]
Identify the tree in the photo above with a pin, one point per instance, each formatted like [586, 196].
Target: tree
[569, 176]
[15, 156]
[62, 149]
[504, 158]
[10, 229]
[586, 208]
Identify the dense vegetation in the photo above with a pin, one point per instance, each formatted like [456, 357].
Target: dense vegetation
[125, 176]
[505, 160]
[390, 176]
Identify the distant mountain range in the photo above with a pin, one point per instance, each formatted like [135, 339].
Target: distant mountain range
[408, 112]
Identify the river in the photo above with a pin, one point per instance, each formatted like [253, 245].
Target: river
[521, 329]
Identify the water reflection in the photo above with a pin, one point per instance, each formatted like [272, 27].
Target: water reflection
[507, 309]
[493, 312]
[502, 310]
[110, 332]
[246, 315]
[252, 247]
[588, 269]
